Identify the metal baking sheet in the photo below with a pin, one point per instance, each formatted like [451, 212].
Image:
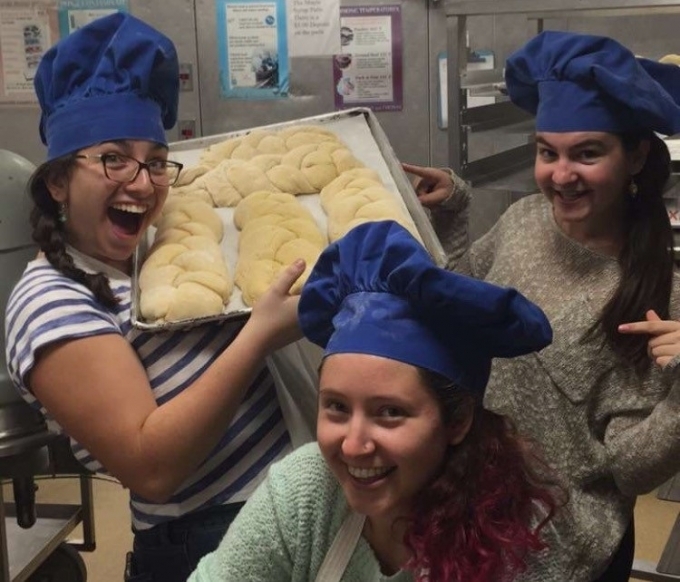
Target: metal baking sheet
[360, 130]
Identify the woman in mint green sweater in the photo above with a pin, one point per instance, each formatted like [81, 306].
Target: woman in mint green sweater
[433, 487]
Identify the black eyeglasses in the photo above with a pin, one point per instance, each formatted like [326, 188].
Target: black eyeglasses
[124, 169]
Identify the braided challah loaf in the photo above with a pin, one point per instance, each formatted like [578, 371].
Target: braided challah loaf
[262, 141]
[188, 175]
[304, 170]
[321, 163]
[184, 275]
[275, 231]
[184, 217]
[259, 175]
[358, 196]
[296, 160]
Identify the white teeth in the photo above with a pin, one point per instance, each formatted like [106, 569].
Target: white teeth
[360, 473]
[569, 194]
[133, 208]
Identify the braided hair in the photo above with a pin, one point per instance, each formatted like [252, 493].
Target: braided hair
[50, 235]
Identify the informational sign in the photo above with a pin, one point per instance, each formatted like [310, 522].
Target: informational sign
[73, 14]
[27, 30]
[368, 71]
[253, 49]
[313, 27]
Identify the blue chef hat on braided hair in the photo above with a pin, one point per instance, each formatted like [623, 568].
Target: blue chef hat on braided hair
[580, 82]
[115, 78]
[377, 291]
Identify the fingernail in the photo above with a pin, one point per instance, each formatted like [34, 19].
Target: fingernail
[299, 263]
[624, 327]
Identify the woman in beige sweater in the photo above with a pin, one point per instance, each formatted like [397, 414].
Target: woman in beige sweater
[594, 250]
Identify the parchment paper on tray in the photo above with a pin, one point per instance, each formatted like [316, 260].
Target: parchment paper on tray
[360, 131]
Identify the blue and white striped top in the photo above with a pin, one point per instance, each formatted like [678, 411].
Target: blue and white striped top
[46, 306]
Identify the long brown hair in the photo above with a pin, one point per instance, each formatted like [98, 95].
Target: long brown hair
[646, 258]
[48, 231]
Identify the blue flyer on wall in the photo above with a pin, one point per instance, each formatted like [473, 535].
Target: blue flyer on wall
[74, 14]
[253, 49]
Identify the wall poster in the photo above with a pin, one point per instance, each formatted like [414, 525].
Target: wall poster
[313, 27]
[253, 48]
[27, 30]
[74, 14]
[368, 72]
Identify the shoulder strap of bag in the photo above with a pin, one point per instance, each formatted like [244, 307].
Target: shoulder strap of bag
[342, 548]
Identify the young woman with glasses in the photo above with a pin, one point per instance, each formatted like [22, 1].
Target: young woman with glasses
[188, 421]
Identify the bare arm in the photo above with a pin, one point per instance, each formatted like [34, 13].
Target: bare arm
[98, 391]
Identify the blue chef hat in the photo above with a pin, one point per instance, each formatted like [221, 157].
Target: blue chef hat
[579, 82]
[376, 291]
[115, 78]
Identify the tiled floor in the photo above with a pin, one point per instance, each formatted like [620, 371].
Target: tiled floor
[653, 519]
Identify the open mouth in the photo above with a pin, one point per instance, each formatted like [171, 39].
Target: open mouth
[569, 195]
[127, 217]
[370, 475]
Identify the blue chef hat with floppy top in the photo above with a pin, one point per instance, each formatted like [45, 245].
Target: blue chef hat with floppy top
[115, 78]
[580, 82]
[377, 291]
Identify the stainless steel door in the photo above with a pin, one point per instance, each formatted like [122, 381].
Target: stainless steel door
[312, 86]
[191, 24]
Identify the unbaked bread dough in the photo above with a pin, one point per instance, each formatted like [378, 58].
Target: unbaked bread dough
[184, 275]
[188, 175]
[178, 212]
[275, 230]
[258, 174]
[297, 160]
[356, 178]
[358, 196]
[265, 202]
[263, 141]
[321, 163]
[193, 190]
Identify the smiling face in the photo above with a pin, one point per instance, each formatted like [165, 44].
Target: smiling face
[586, 176]
[106, 219]
[381, 432]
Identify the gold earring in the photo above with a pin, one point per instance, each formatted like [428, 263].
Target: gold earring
[632, 188]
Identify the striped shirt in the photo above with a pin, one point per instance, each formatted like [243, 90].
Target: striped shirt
[46, 306]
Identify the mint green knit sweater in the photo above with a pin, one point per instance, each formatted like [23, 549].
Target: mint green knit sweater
[286, 528]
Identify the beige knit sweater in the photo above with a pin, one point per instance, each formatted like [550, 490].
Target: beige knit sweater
[609, 435]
